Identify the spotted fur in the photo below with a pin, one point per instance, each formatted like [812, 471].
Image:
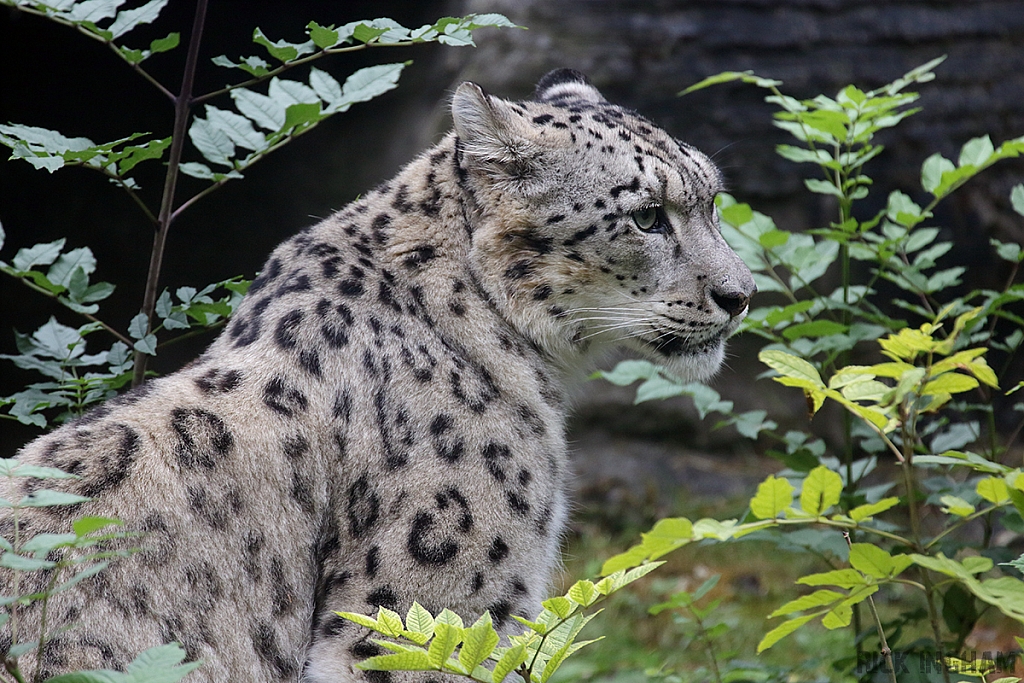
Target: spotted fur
[382, 420]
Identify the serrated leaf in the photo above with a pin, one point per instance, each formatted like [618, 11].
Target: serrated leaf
[871, 560]
[561, 606]
[409, 660]
[389, 623]
[282, 50]
[237, 128]
[513, 658]
[62, 269]
[479, 641]
[419, 620]
[213, 143]
[583, 592]
[446, 638]
[371, 81]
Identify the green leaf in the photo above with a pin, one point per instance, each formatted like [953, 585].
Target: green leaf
[301, 115]
[409, 660]
[24, 564]
[583, 592]
[41, 498]
[165, 44]
[38, 255]
[862, 512]
[976, 152]
[281, 50]
[419, 620]
[816, 328]
[773, 496]
[561, 606]
[1017, 199]
[360, 619]
[949, 383]
[843, 578]
[321, 36]
[781, 631]
[266, 112]
[932, 171]
[821, 490]
[789, 365]
[956, 506]
[818, 598]
[44, 543]
[371, 81]
[513, 658]
[873, 561]
[823, 187]
[447, 636]
[993, 490]
[480, 639]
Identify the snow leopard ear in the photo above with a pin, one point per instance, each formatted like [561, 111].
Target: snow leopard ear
[491, 133]
[566, 84]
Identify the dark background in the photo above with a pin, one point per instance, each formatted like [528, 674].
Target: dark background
[639, 53]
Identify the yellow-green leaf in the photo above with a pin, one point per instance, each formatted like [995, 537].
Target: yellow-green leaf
[871, 560]
[843, 578]
[480, 639]
[863, 512]
[805, 602]
[389, 623]
[562, 607]
[821, 491]
[446, 638]
[773, 496]
[956, 506]
[401, 661]
[781, 631]
[993, 490]
[790, 366]
[418, 620]
[509, 662]
[949, 383]
[583, 592]
[837, 617]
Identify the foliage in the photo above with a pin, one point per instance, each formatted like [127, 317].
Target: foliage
[534, 655]
[259, 120]
[920, 404]
[265, 112]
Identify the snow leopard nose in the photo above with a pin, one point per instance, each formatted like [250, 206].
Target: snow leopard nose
[732, 300]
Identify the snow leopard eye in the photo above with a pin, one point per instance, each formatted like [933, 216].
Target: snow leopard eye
[649, 219]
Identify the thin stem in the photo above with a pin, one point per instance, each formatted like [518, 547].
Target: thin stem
[961, 522]
[246, 165]
[707, 645]
[297, 62]
[87, 316]
[886, 652]
[100, 39]
[182, 108]
[12, 668]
